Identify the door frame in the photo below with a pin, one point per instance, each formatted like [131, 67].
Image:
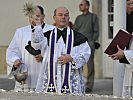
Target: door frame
[108, 63]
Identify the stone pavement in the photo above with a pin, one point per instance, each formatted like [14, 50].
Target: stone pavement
[101, 86]
[102, 91]
[35, 96]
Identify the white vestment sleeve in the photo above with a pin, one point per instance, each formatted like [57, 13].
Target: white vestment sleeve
[12, 53]
[129, 56]
[81, 56]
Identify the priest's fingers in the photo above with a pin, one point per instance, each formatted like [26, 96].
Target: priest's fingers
[17, 63]
[60, 62]
[37, 20]
[63, 63]
[65, 59]
[118, 47]
[114, 58]
[38, 58]
[32, 21]
[60, 58]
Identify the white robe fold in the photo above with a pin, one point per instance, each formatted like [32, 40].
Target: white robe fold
[128, 76]
[16, 50]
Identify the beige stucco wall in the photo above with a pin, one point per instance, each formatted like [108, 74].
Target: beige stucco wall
[97, 8]
[2, 59]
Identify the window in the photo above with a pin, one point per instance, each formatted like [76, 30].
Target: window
[110, 18]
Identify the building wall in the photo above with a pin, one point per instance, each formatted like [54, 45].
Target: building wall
[97, 9]
[2, 59]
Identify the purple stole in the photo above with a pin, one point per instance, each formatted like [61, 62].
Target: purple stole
[65, 88]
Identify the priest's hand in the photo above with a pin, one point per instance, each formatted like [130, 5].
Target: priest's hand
[17, 63]
[35, 20]
[38, 58]
[118, 55]
[65, 58]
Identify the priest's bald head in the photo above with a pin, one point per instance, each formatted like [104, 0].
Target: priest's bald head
[61, 17]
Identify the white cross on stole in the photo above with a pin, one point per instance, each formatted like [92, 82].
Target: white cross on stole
[51, 87]
[65, 89]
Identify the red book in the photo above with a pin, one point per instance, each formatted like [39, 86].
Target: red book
[122, 39]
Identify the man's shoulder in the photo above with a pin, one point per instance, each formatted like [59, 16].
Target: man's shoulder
[47, 33]
[79, 16]
[79, 38]
[93, 14]
[23, 28]
[78, 34]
